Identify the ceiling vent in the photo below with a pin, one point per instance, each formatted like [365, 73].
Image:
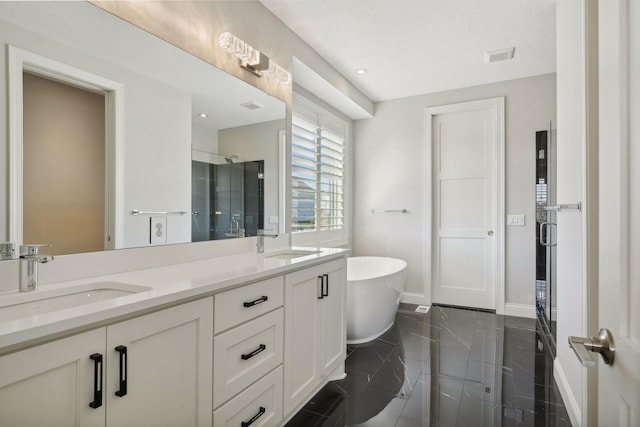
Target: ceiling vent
[253, 105]
[499, 55]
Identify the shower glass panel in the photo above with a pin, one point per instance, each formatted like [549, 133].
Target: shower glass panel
[546, 232]
[227, 199]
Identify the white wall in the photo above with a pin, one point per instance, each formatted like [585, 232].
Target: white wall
[258, 142]
[390, 174]
[204, 138]
[157, 135]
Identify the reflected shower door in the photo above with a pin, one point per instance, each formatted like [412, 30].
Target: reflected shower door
[546, 236]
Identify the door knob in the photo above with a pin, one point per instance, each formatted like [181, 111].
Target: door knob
[602, 344]
[490, 232]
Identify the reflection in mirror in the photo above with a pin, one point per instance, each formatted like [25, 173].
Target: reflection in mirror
[160, 104]
[227, 200]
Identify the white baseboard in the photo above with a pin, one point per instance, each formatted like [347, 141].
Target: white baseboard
[413, 298]
[520, 310]
[570, 402]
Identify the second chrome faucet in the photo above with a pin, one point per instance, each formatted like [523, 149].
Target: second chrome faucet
[260, 242]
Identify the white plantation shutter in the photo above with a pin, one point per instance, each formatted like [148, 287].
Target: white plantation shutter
[318, 156]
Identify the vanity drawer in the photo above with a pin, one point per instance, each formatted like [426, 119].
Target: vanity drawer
[244, 354]
[261, 402]
[247, 302]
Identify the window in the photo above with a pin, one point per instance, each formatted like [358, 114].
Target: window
[318, 177]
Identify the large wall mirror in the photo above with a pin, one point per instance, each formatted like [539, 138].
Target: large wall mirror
[118, 139]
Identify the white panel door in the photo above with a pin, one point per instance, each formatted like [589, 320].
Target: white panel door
[53, 384]
[465, 141]
[302, 329]
[619, 278]
[169, 363]
[333, 319]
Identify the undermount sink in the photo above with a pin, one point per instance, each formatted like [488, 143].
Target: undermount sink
[296, 253]
[26, 304]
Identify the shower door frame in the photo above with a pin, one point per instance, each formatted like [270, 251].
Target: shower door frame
[546, 314]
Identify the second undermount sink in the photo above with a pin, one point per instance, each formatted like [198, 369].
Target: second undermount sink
[291, 254]
[27, 304]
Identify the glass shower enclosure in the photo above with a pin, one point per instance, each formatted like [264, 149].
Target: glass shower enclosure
[546, 231]
[227, 199]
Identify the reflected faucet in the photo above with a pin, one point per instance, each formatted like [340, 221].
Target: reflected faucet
[235, 221]
[29, 260]
[7, 251]
[261, 236]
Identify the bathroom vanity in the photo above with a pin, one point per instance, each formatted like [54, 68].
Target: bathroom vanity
[217, 342]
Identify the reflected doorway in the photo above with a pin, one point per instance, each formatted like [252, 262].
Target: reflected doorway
[64, 158]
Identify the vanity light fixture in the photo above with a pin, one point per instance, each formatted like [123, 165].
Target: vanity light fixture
[252, 59]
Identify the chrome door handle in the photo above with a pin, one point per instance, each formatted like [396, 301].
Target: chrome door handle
[559, 208]
[547, 224]
[602, 344]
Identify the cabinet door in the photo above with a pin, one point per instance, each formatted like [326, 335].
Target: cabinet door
[168, 363]
[334, 345]
[53, 384]
[302, 336]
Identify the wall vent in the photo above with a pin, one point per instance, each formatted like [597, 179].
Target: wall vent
[499, 55]
[253, 105]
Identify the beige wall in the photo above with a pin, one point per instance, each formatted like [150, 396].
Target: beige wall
[390, 174]
[64, 165]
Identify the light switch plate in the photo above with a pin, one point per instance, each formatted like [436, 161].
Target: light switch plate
[515, 219]
[158, 229]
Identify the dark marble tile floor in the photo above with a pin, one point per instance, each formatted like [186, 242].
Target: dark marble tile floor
[448, 367]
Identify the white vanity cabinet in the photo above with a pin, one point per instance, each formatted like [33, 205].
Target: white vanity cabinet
[159, 364]
[247, 355]
[315, 330]
[53, 384]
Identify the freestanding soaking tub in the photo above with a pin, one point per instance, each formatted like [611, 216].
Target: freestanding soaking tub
[374, 285]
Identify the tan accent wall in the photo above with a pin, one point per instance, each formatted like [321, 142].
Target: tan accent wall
[64, 165]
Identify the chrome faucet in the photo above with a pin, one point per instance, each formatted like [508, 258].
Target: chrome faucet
[261, 236]
[29, 260]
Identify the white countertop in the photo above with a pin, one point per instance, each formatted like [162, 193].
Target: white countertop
[167, 285]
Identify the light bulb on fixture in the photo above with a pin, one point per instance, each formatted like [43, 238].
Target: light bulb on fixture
[252, 59]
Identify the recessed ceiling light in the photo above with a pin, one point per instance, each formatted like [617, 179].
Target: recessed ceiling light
[362, 71]
[203, 115]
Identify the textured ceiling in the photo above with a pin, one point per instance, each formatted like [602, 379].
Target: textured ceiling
[412, 47]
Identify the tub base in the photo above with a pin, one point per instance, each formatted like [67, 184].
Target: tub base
[372, 337]
[374, 287]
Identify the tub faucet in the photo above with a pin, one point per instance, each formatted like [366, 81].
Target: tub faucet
[261, 236]
[29, 260]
